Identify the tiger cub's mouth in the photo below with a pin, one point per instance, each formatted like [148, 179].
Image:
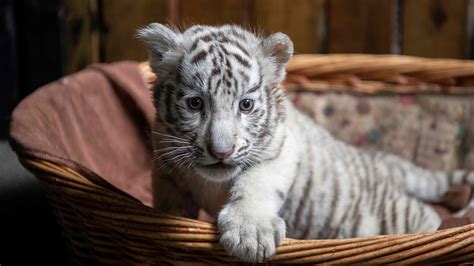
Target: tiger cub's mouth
[220, 166]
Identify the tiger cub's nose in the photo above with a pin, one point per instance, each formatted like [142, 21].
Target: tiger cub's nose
[220, 154]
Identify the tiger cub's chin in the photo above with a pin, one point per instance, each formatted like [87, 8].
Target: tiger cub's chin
[218, 172]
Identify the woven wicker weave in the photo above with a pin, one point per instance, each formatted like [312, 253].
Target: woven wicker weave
[107, 227]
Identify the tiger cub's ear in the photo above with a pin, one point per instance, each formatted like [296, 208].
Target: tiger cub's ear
[279, 47]
[159, 39]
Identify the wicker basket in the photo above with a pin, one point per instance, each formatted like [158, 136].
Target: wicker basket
[104, 226]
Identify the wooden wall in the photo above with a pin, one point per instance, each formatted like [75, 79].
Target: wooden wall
[429, 28]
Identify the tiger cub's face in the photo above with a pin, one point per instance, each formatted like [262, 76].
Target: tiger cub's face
[217, 96]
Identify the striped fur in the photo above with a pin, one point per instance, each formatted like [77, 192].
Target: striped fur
[286, 175]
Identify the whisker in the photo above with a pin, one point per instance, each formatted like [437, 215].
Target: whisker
[171, 136]
[166, 162]
[179, 160]
[173, 148]
[174, 141]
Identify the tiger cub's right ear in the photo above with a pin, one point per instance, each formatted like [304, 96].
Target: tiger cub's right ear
[159, 39]
[279, 47]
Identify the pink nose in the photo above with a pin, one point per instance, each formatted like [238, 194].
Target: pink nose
[220, 155]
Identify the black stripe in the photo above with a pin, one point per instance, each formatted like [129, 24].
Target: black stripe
[229, 73]
[367, 173]
[199, 57]
[383, 221]
[357, 215]
[211, 49]
[355, 225]
[245, 76]
[310, 219]
[265, 125]
[209, 85]
[290, 191]
[236, 85]
[242, 49]
[407, 216]
[218, 84]
[238, 46]
[241, 155]
[280, 148]
[198, 29]
[256, 87]
[168, 102]
[182, 112]
[221, 55]
[237, 198]
[227, 82]
[381, 209]
[258, 115]
[197, 78]
[238, 35]
[179, 94]
[247, 143]
[303, 198]
[394, 218]
[241, 60]
[332, 213]
[205, 38]
[280, 194]
[215, 71]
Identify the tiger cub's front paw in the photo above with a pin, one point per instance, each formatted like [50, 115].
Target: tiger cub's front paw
[249, 238]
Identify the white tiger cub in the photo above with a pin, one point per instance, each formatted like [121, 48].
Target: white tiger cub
[227, 140]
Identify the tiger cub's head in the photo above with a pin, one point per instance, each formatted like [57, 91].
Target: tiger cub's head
[217, 96]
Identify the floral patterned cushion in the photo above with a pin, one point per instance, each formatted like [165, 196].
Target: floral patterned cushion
[434, 131]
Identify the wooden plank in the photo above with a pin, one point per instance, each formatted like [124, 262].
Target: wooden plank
[362, 26]
[301, 20]
[9, 74]
[40, 43]
[212, 12]
[82, 35]
[121, 19]
[435, 28]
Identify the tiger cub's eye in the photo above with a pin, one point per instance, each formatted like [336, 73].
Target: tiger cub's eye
[195, 103]
[246, 105]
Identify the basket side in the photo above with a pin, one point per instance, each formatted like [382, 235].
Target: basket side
[106, 227]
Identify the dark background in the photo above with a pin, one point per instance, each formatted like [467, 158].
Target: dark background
[41, 41]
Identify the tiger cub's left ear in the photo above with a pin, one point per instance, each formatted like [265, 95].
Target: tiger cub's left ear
[279, 47]
[159, 40]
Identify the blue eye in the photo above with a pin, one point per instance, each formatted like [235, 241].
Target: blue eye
[195, 103]
[246, 105]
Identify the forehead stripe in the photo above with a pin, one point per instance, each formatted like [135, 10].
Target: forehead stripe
[256, 87]
[199, 57]
[244, 76]
[241, 60]
[238, 35]
[239, 47]
[206, 38]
